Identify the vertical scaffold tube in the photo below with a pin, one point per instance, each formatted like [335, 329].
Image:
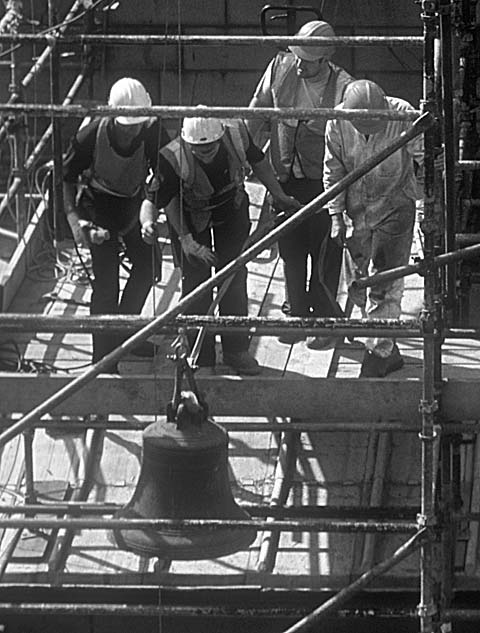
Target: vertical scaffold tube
[448, 142]
[427, 607]
[56, 126]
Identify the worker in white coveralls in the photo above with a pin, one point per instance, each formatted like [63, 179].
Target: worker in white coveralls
[380, 207]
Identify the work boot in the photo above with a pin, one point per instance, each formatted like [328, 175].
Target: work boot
[321, 342]
[290, 338]
[374, 366]
[243, 363]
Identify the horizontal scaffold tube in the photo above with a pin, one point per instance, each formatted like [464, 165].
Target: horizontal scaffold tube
[257, 326]
[18, 322]
[76, 609]
[307, 512]
[419, 267]
[305, 525]
[223, 112]
[336, 426]
[469, 165]
[217, 40]
[419, 126]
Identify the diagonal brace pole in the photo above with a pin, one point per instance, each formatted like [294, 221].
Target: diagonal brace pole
[419, 267]
[419, 126]
[308, 622]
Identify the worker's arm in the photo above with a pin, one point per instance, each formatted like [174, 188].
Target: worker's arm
[196, 253]
[333, 166]
[78, 158]
[264, 172]
[259, 128]
[333, 171]
[73, 215]
[148, 220]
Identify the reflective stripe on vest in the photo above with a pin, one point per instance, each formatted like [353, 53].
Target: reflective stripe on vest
[197, 189]
[113, 174]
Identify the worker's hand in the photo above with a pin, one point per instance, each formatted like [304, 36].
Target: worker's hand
[93, 234]
[285, 203]
[98, 235]
[197, 253]
[149, 232]
[338, 232]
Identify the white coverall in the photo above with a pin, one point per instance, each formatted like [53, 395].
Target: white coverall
[380, 206]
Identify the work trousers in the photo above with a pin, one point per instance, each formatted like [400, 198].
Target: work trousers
[310, 293]
[227, 240]
[106, 297]
[376, 246]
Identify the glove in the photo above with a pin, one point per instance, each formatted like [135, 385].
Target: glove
[288, 204]
[338, 231]
[93, 234]
[148, 232]
[197, 253]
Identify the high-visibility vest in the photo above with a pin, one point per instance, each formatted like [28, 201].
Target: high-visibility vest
[114, 174]
[304, 142]
[198, 193]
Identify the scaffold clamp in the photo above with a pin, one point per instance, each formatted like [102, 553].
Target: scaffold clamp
[426, 521]
[426, 610]
[428, 407]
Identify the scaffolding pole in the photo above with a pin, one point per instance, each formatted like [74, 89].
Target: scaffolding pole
[428, 605]
[223, 112]
[405, 550]
[283, 41]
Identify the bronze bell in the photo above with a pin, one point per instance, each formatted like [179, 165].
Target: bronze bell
[184, 475]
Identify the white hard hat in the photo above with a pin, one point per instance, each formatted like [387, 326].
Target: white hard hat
[315, 28]
[200, 130]
[365, 95]
[129, 92]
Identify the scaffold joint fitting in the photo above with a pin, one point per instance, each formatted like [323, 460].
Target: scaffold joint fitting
[426, 521]
[428, 407]
[426, 610]
[444, 7]
[428, 227]
[429, 7]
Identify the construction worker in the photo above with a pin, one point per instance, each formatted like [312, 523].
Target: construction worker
[379, 208]
[200, 184]
[303, 77]
[105, 169]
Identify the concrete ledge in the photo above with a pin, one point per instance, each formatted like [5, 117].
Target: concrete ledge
[325, 399]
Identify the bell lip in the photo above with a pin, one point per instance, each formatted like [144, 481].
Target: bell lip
[155, 543]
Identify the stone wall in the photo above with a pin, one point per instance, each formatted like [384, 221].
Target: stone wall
[225, 75]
